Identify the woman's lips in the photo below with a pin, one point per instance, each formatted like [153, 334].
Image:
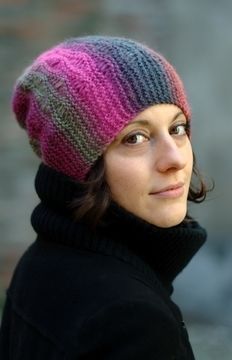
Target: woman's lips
[172, 191]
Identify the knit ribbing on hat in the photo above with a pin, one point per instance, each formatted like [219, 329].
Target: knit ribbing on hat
[77, 96]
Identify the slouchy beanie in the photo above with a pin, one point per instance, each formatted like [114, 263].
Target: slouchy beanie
[77, 96]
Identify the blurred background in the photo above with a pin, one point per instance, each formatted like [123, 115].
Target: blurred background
[196, 37]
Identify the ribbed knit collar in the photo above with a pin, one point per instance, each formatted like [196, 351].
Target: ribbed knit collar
[163, 250]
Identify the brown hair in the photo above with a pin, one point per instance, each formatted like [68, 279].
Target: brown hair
[96, 193]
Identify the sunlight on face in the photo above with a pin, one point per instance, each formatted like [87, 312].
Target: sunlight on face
[149, 165]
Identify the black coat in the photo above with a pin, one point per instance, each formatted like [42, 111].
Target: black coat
[79, 294]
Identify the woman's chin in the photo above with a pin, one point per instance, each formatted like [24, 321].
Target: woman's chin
[168, 220]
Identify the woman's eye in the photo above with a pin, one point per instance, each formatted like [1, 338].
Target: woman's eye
[181, 129]
[136, 138]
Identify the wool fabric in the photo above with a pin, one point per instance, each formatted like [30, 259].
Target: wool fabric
[76, 97]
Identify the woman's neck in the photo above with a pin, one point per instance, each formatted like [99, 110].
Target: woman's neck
[164, 250]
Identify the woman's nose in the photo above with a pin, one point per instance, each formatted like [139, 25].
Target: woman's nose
[169, 155]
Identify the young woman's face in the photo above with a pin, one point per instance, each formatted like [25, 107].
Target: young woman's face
[149, 165]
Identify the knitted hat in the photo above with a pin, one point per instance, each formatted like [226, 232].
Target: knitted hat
[77, 96]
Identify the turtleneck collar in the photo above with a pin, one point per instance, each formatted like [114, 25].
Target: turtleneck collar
[163, 250]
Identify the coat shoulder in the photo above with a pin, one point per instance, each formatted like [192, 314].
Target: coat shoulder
[82, 292]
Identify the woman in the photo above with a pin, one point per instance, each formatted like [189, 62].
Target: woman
[110, 120]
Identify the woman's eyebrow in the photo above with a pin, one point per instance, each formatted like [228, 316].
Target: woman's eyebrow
[177, 115]
[140, 122]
